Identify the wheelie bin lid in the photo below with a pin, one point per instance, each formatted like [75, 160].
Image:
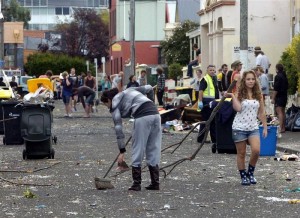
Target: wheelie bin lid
[5, 93]
[34, 84]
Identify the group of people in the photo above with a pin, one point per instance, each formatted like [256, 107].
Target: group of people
[247, 96]
[13, 84]
[137, 101]
[72, 89]
[248, 100]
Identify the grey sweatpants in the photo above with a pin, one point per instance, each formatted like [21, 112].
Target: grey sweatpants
[146, 137]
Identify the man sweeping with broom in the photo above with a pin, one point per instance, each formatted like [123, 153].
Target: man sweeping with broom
[146, 133]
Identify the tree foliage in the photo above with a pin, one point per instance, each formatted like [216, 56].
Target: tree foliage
[86, 35]
[105, 17]
[176, 49]
[175, 71]
[290, 60]
[38, 63]
[14, 12]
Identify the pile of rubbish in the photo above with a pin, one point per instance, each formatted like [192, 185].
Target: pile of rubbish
[176, 125]
[41, 95]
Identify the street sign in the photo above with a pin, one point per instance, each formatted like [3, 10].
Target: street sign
[103, 60]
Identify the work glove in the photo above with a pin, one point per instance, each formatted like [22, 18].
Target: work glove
[200, 105]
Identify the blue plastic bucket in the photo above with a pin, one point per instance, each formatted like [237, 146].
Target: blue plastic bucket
[268, 144]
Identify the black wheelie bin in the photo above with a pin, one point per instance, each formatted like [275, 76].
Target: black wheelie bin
[36, 124]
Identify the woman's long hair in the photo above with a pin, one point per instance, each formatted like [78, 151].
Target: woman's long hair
[242, 89]
[109, 94]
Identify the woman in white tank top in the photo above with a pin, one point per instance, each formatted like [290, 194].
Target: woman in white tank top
[249, 105]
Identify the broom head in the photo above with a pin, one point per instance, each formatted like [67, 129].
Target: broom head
[102, 183]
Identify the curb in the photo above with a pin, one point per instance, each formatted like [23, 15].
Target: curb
[287, 150]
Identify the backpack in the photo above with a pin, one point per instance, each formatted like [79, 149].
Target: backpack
[292, 121]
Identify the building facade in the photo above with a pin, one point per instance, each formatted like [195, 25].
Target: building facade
[295, 17]
[268, 27]
[150, 19]
[45, 14]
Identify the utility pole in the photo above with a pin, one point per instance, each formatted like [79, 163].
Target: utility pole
[244, 33]
[1, 32]
[96, 68]
[132, 37]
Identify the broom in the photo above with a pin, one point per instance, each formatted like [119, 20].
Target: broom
[103, 183]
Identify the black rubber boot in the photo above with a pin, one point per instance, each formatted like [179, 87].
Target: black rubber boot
[137, 179]
[154, 175]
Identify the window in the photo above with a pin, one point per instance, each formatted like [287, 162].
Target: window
[103, 3]
[51, 26]
[58, 11]
[27, 2]
[51, 11]
[45, 11]
[66, 11]
[21, 2]
[35, 26]
[35, 3]
[44, 27]
[35, 11]
[90, 3]
[44, 2]
[62, 11]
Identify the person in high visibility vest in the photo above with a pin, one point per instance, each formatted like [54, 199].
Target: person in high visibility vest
[208, 92]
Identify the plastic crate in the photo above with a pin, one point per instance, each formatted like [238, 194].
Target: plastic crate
[268, 144]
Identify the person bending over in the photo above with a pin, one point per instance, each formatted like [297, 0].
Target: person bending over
[146, 133]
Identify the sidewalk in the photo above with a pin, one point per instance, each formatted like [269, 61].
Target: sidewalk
[289, 142]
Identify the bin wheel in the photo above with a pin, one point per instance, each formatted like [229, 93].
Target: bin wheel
[4, 141]
[54, 139]
[214, 148]
[52, 153]
[24, 155]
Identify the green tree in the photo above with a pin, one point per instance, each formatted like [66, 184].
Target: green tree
[290, 60]
[87, 35]
[176, 49]
[175, 71]
[14, 12]
[105, 16]
[38, 63]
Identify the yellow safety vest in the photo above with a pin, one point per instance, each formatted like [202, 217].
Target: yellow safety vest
[209, 92]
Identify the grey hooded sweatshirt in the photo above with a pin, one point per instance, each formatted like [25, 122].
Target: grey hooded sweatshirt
[127, 104]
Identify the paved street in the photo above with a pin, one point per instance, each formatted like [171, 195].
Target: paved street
[208, 186]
